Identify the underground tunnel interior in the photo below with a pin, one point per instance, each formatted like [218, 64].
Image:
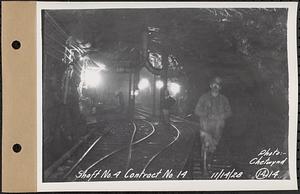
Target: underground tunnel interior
[246, 48]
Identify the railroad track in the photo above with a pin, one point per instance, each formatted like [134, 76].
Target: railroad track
[173, 140]
[164, 148]
[197, 162]
[116, 151]
[83, 156]
[119, 152]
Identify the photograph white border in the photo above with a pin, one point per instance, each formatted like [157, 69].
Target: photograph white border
[179, 185]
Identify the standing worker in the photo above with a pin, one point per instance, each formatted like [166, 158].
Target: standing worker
[167, 104]
[121, 101]
[213, 109]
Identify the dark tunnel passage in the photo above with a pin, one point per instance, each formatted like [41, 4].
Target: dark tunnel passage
[248, 52]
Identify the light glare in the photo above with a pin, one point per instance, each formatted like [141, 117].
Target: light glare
[136, 92]
[143, 84]
[159, 84]
[174, 88]
[92, 78]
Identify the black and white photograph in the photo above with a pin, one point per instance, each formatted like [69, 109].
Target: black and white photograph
[168, 94]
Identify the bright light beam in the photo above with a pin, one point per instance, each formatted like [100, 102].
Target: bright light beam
[143, 84]
[174, 88]
[136, 92]
[159, 84]
[92, 78]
